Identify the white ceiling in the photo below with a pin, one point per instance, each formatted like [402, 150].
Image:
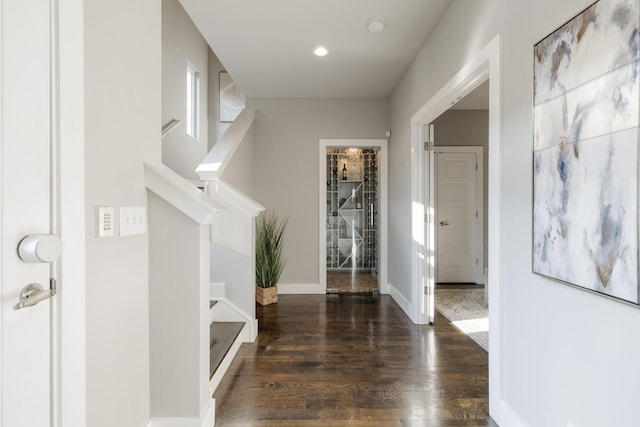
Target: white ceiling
[267, 45]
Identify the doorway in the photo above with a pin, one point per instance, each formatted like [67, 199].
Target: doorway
[460, 137]
[352, 239]
[484, 65]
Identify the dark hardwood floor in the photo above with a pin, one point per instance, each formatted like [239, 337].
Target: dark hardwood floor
[353, 361]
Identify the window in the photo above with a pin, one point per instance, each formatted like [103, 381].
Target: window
[193, 102]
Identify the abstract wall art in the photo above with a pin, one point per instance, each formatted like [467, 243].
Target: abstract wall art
[585, 165]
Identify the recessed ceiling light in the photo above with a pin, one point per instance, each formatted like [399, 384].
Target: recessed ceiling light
[321, 51]
[375, 24]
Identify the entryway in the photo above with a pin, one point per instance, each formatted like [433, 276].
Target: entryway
[353, 216]
[460, 137]
[483, 66]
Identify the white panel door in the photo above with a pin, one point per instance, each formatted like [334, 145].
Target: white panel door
[456, 211]
[25, 197]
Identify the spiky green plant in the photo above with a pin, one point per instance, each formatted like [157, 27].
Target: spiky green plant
[269, 243]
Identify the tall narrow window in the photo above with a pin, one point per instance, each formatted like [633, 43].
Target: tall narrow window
[193, 102]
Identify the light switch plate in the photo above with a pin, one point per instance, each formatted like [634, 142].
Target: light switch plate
[105, 221]
[133, 220]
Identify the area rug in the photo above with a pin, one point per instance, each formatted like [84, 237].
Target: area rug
[467, 310]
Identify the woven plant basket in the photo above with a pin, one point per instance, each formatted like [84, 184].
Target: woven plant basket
[266, 296]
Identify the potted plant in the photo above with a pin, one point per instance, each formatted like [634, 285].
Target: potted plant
[269, 259]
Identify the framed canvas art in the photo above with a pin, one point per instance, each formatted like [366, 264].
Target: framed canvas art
[585, 165]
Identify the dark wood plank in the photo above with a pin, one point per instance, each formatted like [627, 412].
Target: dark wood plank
[357, 361]
[221, 338]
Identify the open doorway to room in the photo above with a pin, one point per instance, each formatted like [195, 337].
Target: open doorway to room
[484, 65]
[352, 216]
[481, 68]
[461, 137]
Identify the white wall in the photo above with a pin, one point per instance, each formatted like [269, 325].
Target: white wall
[122, 128]
[238, 274]
[469, 128]
[178, 300]
[182, 44]
[287, 134]
[240, 171]
[568, 357]
[216, 127]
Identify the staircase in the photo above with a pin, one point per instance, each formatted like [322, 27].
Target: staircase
[232, 236]
[202, 280]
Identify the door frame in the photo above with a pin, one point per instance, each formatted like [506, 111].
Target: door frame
[478, 240]
[71, 364]
[485, 64]
[383, 208]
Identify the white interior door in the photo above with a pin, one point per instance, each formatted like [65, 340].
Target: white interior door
[25, 209]
[456, 216]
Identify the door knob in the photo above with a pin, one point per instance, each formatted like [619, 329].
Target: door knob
[443, 223]
[40, 248]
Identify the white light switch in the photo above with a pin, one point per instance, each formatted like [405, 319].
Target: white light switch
[133, 220]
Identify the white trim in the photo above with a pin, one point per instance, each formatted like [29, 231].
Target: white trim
[234, 229]
[486, 64]
[507, 416]
[217, 291]
[193, 92]
[206, 420]
[478, 240]
[383, 208]
[71, 299]
[385, 287]
[180, 193]
[213, 166]
[404, 304]
[226, 311]
[301, 289]
[229, 195]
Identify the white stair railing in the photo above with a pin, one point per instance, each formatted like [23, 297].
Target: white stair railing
[214, 165]
[179, 316]
[232, 232]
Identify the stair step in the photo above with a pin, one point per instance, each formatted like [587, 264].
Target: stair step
[222, 336]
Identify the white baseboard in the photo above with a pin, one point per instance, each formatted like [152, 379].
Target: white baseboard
[226, 311]
[402, 302]
[252, 331]
[301, 289]
[217, 291]
[505, 416]
[206, 420]
[385, 288]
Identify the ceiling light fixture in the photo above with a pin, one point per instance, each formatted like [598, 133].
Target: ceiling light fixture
[375, 24]
[320, 51]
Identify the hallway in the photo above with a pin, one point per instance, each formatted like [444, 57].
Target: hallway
[353, 360]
